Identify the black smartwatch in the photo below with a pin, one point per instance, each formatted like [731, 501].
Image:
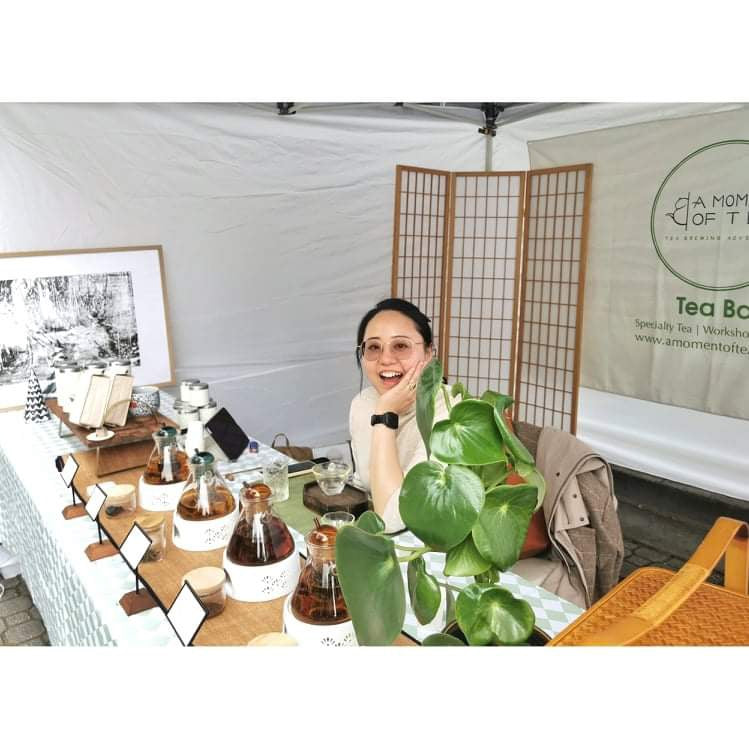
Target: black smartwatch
[389, 419]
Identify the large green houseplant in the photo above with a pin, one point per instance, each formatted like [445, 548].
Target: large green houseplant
[455, 502]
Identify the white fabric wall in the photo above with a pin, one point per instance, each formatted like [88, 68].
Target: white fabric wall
[277, 231]
[692, 447]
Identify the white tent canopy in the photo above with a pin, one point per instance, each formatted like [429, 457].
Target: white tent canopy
[277, 237]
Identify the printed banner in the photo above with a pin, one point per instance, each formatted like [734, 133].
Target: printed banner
[667, 289]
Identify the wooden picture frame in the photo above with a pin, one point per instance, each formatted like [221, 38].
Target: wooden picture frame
[82, 303]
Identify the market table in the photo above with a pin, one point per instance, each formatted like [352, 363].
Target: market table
[78, 599]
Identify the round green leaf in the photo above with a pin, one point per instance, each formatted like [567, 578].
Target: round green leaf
[490, 576]
[440, 504]
[497, 400]
[493, 474]
[371, 522]
[464, 560]
[489, 615]
[372, 585]
[534, 477]
[502, 526]
[426, 392]
[423, 591]
[517, 449]
[439, 639]
[459, 389]
[469, 436]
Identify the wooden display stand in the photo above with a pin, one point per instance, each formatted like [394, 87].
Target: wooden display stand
[101, 550]
[237, 624]
[137, 601]
[129, 448]
[71, 512]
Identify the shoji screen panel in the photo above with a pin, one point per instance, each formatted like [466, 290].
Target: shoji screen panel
[483, 268]
[422, 197]
[551, 302]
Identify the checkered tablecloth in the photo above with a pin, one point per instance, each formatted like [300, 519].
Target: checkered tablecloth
[553, 613]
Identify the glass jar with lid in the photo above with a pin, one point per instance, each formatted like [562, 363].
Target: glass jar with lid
[154, 524]
[166, 472]
[316, 612]
[209, 585]
[260, 560]
[207, 510]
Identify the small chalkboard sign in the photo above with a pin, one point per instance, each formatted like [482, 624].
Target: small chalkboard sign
[186, 614]
[69, 470]
[135, 546]
[95, 502]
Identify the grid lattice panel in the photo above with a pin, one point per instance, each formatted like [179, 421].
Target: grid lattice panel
[419, 241]
[487, 222]
[546, 389]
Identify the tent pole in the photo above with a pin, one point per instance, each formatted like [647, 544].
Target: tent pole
[489, 140]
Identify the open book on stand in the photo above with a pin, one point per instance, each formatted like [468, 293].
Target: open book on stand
[102, 399]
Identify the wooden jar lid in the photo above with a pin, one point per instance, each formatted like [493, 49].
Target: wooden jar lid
[120, 494]
[150, 521]
[273, 639]
[205, 580]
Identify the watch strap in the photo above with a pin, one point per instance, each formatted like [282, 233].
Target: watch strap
[389, 419]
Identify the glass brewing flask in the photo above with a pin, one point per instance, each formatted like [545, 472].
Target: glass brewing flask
[168, 463]
[318, 598]
[206, 496]
[260, 537]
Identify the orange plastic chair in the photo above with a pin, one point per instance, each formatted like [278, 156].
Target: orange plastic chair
[658, 607]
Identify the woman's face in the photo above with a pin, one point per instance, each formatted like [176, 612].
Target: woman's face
[392, 346]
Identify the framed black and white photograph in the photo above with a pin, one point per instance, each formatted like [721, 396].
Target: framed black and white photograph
[82, 305]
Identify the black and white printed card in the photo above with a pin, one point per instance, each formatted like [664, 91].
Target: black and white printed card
[95, 501]
[186, 614]
[135, 546]
[69, 470]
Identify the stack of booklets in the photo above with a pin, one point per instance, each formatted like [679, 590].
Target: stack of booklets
[102, 399]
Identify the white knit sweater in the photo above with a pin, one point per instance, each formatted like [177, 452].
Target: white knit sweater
[408, 442]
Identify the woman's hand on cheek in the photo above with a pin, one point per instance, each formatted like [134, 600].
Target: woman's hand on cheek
[400, 398]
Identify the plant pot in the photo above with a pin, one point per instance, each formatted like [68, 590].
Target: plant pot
[538, 636]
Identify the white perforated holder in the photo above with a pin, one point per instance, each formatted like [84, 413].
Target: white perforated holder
[320, 635]
[203, 535]
[159, 498]
[257, 583]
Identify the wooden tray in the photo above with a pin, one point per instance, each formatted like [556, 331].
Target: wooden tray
[129, 448]
[351, 500]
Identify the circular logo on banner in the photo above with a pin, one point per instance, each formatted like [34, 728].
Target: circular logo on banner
[700, 217]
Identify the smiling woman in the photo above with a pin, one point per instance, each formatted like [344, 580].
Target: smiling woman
[394, 343]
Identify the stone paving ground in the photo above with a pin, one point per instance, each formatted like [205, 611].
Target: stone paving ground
[20, 622]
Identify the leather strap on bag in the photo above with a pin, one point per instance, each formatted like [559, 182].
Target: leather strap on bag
[294, 452]
[727, 537]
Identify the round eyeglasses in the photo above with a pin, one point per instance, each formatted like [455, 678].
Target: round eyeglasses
[399, 347]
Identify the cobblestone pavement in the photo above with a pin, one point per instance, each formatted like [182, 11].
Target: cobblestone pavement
[20, 622]
[637, 554]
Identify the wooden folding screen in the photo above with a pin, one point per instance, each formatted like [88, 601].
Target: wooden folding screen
[551, 296]
[420, 235]
[497, 260]
[482, 267]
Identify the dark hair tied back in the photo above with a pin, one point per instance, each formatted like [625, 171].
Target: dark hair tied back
[396, 305]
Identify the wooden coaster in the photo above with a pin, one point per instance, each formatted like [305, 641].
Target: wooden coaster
[74, 511]
[351, 500]
[97, 551]
[136, 601]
